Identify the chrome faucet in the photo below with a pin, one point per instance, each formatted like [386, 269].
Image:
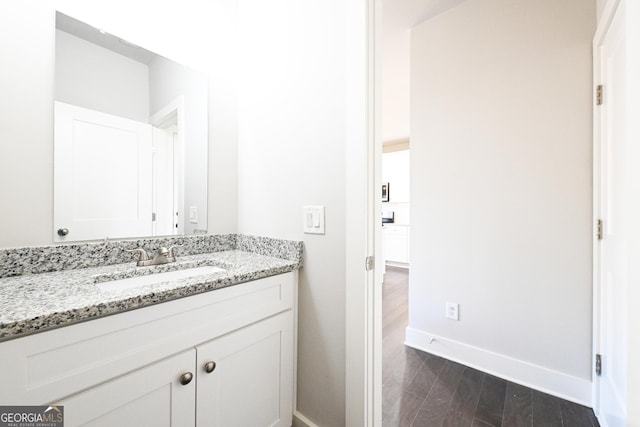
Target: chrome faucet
[163, 256]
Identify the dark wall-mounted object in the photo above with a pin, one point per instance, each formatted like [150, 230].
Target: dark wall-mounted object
[385, 192]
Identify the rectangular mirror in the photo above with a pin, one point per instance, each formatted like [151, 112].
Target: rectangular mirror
[130, 140]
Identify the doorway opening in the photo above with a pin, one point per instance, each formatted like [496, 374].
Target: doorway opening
[395, 234]
[168, 171]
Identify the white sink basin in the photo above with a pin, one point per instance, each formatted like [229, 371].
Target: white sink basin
[151, 279]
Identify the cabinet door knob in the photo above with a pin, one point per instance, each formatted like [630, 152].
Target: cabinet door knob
[63, 231]
[186, 378]
[210, 367]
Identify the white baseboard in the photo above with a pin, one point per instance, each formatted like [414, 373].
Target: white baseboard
[568, 387]
[602, 421]
[300, 420]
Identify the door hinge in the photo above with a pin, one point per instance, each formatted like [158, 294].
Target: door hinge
[599, 229]
[599, 95]
[598, 364]
[369, 263]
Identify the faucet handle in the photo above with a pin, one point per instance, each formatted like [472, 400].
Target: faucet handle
[171, 254]
[143, 255]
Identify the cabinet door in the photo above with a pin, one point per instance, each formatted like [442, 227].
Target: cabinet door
[150, 396]
[396, 244]
[252, 383]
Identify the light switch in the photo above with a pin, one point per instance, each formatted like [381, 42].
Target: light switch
[193, 214]
[313, 219]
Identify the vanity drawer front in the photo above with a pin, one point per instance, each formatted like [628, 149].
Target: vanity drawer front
[54, 364]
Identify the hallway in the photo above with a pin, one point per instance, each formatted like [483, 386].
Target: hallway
[423, 390]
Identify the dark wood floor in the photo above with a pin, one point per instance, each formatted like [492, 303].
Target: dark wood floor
[420, 389]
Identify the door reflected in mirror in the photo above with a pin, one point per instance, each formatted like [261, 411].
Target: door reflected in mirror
[130, 140]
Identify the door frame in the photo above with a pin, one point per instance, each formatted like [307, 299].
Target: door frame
[632, 91]
[363, 364]
[175, 109]
[602, 31]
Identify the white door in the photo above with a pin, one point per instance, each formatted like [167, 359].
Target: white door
[151, 396]
[252, 383]
[612, 252]
[102, 175]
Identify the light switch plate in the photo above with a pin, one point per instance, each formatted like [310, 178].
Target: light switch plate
[313, 219]
[193, 214]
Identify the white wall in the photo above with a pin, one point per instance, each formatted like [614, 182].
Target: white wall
[202, 36]
[292, 133]
[26, 120]
[501, 184]
[93, 77]
[396, 49]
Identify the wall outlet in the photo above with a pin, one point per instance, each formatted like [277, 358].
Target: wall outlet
[451, 311]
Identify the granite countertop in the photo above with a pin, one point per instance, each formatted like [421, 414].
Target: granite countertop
[36, 302]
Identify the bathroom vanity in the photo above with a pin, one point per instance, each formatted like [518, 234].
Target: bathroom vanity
[214, 349]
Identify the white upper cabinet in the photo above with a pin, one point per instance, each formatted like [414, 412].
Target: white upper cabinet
[395, 171]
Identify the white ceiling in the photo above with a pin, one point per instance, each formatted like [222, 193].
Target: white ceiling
[408, 13]
[108, 41]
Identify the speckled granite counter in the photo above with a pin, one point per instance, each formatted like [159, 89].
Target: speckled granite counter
[34, 302]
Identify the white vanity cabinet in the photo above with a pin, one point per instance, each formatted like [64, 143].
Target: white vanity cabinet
[220, 358]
